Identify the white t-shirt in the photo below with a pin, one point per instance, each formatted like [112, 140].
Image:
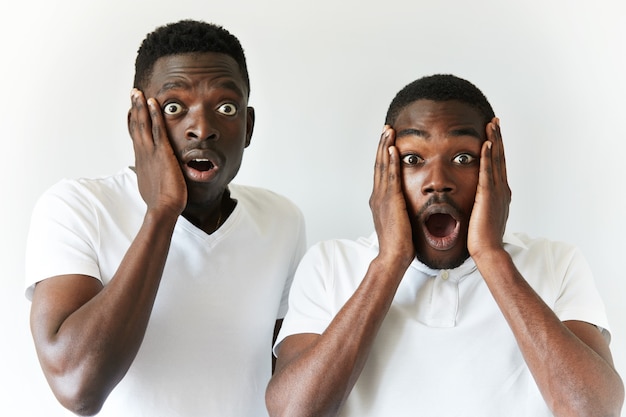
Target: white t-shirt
[207, 348]
[444, 348]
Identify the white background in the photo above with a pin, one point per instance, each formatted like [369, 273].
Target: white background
[323, 73]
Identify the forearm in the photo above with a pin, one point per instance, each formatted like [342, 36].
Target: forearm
[317, 381]
[93, 347]
[573, 378]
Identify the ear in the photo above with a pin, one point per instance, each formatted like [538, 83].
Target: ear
[128, 123]
[249, 125]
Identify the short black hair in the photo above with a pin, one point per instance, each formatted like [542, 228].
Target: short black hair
[187, 36]
[439, 87]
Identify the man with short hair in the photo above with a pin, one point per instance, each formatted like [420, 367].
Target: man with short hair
[440, 312]
[157, 291]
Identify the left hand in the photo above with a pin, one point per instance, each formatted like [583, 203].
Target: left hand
[493, 196]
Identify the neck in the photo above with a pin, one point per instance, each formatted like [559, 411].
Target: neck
[209, 216]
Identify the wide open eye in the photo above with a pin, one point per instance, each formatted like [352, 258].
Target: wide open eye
[411, 159]
[228, 109]
[172, 108]
[464, 159]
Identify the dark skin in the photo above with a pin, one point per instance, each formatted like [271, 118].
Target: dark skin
[443, 152]
[188, 136]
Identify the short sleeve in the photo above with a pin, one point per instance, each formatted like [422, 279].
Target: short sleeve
[578, 297]
[61, 237]
[298, 253]
[309, 307]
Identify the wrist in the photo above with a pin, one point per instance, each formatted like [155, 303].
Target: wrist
[391, 266]
[163, 218]
[491, 261]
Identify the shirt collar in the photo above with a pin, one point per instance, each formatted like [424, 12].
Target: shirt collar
[467, 266]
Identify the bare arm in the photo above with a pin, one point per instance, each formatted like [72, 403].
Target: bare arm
[315, 373]
[571, 362]
[87, 335]
[277, 326]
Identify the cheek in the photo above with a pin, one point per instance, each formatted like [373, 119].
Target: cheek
[412, 179]
[469, 180]
[176, 135]
[412, 190]
[468, 186]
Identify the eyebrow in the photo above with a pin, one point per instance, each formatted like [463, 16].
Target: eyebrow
[411, 132]
[465, 131]
[231, 85]
[171, 85]
[227, 84]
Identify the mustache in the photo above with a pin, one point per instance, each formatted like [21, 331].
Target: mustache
[439, 199]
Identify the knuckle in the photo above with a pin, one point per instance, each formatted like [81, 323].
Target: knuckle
[373, 201]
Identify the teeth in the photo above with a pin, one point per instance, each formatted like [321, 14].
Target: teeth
[201, 164]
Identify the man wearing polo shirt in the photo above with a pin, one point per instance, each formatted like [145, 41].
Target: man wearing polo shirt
[440, 312]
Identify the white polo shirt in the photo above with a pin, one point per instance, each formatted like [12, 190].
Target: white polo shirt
[444, 348]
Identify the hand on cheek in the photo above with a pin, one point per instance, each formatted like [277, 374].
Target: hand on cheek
[160, 179]
[388, 204]
[493, 196]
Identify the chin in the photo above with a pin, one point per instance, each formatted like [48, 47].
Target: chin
[447, 261]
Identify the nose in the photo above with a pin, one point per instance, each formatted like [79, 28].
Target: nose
[438, 178]
[201, 125]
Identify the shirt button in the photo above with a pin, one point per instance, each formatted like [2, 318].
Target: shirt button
[444, 275]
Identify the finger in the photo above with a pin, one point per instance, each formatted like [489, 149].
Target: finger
[158, 131]
[139, 123]
[502, 155]
[485, 175]
[498, 158]
[394, 174]
[495, 151]
[382, 158]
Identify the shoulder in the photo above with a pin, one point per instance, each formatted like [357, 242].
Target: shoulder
[521, 244]
[346, 252]
[263, 200]
[125, 181]
[86, 196]
[258, 194]
[548, 265]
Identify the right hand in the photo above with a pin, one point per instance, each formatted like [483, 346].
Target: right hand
[388, 205]
[160, 178]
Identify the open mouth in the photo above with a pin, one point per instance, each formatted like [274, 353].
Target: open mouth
[441, 224]
[441, 230]
[201, 169]
[201, 164]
